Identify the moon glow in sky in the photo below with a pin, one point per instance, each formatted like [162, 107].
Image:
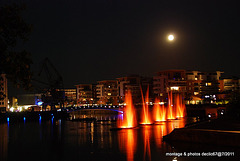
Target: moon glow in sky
[170, 37]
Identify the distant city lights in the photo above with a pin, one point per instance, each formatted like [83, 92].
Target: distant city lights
[39, 103]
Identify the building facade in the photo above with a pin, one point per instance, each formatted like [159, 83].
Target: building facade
[131, 83]
[85, 94]
[107, 92]
[3, 93]
[195, 87]
[70, 96]
[201, 85]
[169, 80]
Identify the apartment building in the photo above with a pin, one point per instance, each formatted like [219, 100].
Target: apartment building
[107, 92]
[85, 94]
[169, 80]
[204, 83]
[131, 83]
[3, 93]
[230, 84]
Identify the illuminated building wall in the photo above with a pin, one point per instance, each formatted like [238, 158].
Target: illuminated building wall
[107, 92]
[13, 102]
[204, 83]
[192, 84]
[70, 95]
[4, 93]
[85, 94]
[196, 83]
[231, 84]
[160, 85]
[168, 80]
[131, 83]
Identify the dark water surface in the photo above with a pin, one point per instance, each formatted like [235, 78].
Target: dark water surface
[62, 140]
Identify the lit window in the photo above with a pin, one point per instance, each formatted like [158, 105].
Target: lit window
[175, 88]
[195, 78]
[208, 84]
[109, 94]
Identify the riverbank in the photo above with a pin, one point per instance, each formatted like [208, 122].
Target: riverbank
[22, 116]
[224, 132]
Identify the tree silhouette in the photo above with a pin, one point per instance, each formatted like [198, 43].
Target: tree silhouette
[15, 64]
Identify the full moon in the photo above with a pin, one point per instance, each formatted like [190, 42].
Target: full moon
[170, 37]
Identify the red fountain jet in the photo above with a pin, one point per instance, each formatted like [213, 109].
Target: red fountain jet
[180, 107]
[170, 111]
[129, 116]
[159, 111]
[146, 119]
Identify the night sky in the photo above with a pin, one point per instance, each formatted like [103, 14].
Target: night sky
[93, 40]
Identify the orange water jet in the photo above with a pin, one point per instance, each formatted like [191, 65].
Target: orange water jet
[180, 107]
[129, 117]
[159, 111]
[145, 114]
[170, 110]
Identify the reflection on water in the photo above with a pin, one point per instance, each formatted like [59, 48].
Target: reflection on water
[147, 148]
[99, 117]
[158, 133]
[127, 142]
[3, 141]
[73, 140]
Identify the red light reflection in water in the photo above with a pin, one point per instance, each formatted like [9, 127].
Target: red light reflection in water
[4, 136]
[158, 133]
[159, 111]
[147, 148]
[146, 114]
[161, 130]
[127, 143]
[129, 117]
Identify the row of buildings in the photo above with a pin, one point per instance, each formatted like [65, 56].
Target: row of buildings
[195, 86]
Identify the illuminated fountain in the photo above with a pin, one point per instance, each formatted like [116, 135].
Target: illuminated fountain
[180, 107]
[170, 109]
[159, 112]
[175, 109]
[146, 119]
[129, 116]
